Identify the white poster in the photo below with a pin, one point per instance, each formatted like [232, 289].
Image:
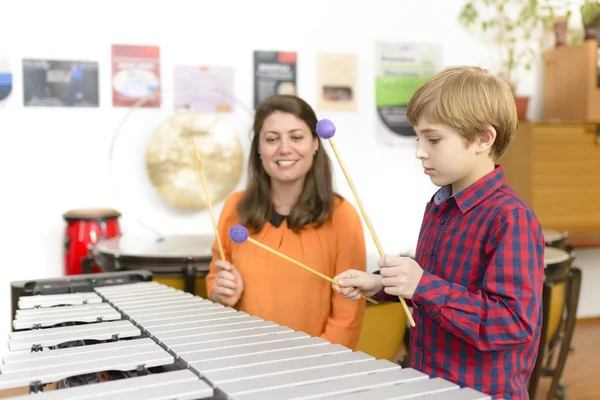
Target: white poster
[401, 68]
[205, 89]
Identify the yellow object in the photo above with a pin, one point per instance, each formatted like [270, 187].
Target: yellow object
[383, 331]
[557, 303]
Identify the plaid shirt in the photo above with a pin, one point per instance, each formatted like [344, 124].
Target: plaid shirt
[478, 306]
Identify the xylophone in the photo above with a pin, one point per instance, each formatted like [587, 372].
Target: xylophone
[139, 339]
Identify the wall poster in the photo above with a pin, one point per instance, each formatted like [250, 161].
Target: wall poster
[401, 68]
[274, 73]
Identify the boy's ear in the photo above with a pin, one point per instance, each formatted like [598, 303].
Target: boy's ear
[486, 139]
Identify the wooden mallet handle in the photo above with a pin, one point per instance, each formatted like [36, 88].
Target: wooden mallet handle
[207, 195]
[326, 130]
[239, 234]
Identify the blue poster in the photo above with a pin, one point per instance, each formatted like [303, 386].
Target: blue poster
[6, 78]
[60, 83]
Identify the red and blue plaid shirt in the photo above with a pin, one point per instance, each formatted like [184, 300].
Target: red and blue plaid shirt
[478, 306]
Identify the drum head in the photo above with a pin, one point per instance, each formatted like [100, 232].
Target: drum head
[172, 253]
[552, 236]
[553, 255]
[178, 246]
[91, 214]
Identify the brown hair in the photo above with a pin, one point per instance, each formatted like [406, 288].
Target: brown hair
[315, 204]
[469, 99]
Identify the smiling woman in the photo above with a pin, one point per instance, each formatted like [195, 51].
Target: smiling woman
[289, 205]
[288, 174]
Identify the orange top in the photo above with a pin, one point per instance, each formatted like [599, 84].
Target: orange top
[279, 291]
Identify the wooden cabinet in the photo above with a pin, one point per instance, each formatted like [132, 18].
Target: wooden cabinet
[572, 83]
[555, 168]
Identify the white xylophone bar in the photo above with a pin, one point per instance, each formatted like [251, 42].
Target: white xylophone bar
[181, 385]
[259, 361]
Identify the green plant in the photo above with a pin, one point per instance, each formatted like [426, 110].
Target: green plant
[590, 12]
[516, 27]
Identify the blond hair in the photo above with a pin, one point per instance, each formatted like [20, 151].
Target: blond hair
[468, 99]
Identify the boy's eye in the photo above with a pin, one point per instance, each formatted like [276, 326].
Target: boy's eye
[434, 140]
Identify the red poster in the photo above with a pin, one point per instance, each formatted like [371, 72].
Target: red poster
[136, 76]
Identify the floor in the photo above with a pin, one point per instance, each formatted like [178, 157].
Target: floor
[581, 373]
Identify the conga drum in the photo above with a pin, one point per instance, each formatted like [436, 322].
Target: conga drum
[553, 259]
[555, 238]
[179, 261]
[383, 343]
[84, 228]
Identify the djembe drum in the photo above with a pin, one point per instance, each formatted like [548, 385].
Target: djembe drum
[84, 228]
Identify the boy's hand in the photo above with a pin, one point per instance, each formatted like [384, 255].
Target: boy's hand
[400, 276]
[354, 283]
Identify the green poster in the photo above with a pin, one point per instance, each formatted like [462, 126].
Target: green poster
[401, 69]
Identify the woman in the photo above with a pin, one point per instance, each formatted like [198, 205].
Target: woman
[289, 205]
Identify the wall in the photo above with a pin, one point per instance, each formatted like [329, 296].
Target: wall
[53, 160]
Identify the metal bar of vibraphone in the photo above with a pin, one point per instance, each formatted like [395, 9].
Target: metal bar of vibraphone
[183, 316]
[181, 385]
[435, 389]
[36, 368]
[29, 302]
[260, 368]
[239, 325]
[405, 390]
[256, 359]
[27, 356]
[84, 357]
[52, 320]
[34, 312]
[50, 374]
[260, 331]
[244, 364]
[55, 336]
[233, 354]
[174, 310]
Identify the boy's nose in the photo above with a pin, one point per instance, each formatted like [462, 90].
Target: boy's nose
[420, 154]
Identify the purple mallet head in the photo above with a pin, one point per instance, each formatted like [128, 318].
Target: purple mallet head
[325, 129]
[238, 233]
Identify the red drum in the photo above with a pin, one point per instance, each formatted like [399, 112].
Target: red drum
[84, 228]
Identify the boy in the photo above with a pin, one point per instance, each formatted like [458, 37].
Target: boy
[476, 281]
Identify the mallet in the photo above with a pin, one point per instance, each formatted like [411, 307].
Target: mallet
[326, 130]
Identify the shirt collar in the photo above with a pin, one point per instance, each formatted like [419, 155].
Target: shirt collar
[474, 194]
[277, 219]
